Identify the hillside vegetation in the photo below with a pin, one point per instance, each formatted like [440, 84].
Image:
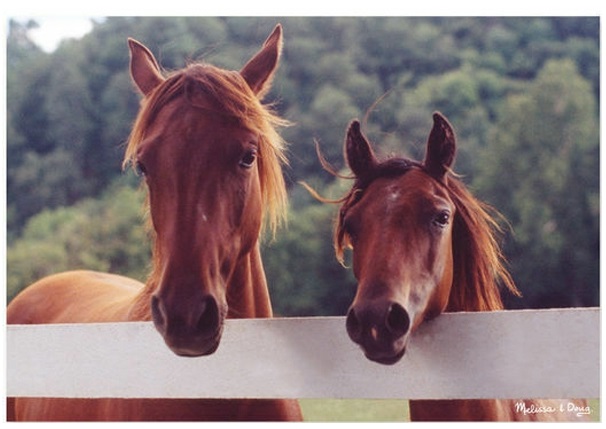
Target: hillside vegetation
[522, 94]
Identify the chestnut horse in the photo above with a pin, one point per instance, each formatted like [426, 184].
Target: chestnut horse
[211, 159]
[422, 245]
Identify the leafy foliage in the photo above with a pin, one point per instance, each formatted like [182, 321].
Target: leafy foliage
[104, 234]
[521, 92]
[547, 144]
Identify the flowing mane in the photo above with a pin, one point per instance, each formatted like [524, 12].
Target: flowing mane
[227, 93]
[479, 265]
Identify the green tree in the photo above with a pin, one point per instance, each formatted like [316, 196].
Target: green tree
[542, 172]
[69, 113]
[304, 276]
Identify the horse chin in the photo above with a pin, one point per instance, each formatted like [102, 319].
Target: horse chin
[186, 352]
[199, 348]
[386, 360]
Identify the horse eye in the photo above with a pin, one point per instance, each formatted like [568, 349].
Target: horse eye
[140, 169]
[442, 219]
[248, 159]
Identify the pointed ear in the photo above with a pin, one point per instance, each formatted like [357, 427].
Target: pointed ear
[144, 69]
[441, 147]
[259, 70]
[360, 156]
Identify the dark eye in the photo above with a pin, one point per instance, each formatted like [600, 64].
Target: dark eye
[248, 159]
[442, 219]
[140, 169]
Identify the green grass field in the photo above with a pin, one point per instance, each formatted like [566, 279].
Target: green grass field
[379, 410]
[594, 404]
[354, 410]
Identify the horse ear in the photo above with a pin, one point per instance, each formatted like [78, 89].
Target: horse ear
[259, 70]
[144, 68]
[360, 156]
[441, 147]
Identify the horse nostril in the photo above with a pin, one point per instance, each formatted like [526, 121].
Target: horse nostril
[158, 315]
[397, 320]
[353, 326]
[209, 319]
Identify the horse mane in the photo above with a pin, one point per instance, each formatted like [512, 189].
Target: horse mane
[479, 265]
[230, 95]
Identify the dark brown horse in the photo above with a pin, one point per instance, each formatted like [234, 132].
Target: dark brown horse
[211, 158]
[422, 245]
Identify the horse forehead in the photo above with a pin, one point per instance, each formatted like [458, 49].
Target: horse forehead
[184, 129]
[414, 189]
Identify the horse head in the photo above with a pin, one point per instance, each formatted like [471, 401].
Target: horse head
[210, 158]
[398, 219]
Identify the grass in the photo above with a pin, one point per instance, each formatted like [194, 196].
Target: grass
[354, 410]
[594, 404]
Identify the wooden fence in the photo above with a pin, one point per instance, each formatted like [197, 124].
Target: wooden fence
[505, 354]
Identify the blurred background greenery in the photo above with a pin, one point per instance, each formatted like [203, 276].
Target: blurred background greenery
[522, 94]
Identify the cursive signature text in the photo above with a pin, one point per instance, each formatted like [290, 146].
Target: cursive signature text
[568, 407]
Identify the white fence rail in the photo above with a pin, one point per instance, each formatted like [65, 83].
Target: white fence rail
[506, 354]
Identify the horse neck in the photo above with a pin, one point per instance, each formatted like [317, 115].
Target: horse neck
[476, 276]
[247, 294]
[474, 301]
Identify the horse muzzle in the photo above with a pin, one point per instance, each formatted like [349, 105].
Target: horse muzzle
[191, 331]
[381, 329]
